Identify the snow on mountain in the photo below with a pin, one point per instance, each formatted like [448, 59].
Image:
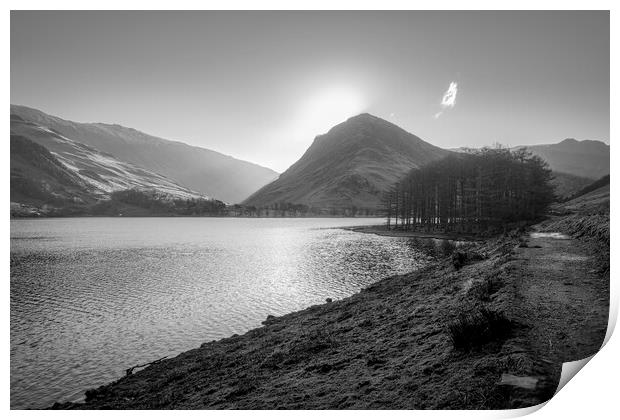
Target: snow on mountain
[103, 172]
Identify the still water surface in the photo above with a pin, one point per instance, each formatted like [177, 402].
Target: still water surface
[91, 297]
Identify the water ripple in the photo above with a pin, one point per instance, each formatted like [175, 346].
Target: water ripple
[91, 297]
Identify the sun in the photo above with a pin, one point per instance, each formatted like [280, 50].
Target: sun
[330, 106]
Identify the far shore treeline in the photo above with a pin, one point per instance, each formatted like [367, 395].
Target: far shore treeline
[145, 203]
[483, 191]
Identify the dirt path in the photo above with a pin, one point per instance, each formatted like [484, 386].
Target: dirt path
[563, 301]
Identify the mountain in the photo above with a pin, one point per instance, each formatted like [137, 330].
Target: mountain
[349, 166]
[38, 177]
[599, 183]
[586, 158]
[97, 173]
[198, 169]
[567, 184]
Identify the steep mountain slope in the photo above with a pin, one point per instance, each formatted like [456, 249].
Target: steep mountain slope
[568, 184]
[37, 177]
[99, 173]
[350, 166]
[586, 158]
[601, 183]
[202, 170]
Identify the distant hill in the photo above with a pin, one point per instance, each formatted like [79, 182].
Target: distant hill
[195, 168]
[586, 158]
[350, 166]
[97, 173]
[575, 164]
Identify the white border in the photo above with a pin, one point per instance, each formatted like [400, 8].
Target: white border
[591, 395]
[310, 5]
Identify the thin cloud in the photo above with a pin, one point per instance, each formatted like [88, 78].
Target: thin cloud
[449, 99]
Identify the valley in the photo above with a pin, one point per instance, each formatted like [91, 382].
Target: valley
[345, 172]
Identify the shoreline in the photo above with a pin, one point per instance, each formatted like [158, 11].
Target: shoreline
[187, 216]
[392, 345]
[382, 231]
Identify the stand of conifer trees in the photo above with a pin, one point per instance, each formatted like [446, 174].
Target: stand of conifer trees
[482, 191]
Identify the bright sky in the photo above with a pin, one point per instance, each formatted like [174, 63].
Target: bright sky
[260, 85]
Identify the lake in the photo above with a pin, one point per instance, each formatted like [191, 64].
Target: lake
[91, 297]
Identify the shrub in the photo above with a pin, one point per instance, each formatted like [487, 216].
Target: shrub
[486, 288]
[458, 260]
[461, 258]
[447, 247]
[478, 327]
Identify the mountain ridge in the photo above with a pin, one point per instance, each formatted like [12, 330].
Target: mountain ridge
[101, 173]
[347, 168]
[350, 166]
[575, 163]
[377, 153]
[203, 170]
[585, 158]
